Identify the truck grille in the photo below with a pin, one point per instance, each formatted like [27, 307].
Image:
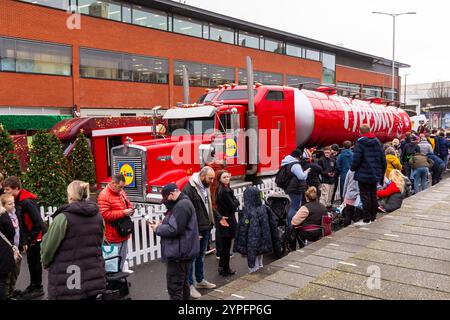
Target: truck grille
[137, 190]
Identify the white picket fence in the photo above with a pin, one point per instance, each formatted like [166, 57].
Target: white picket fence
[144, 246]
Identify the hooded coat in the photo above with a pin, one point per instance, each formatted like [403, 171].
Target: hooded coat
[257, 228]
[369, 160]
[297, 184]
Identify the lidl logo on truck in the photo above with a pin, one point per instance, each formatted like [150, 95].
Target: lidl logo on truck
[231, 146]
[127, 170]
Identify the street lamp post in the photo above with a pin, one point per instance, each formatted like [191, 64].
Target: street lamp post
[406, 75]
[393, 15]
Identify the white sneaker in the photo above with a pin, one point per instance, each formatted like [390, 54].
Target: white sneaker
[126, 268]
[205, 285]
[362, 224]
[194, 293]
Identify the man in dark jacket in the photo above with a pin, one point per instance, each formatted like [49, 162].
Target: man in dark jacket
[329, 171]
[408, 152]
[437, 169]
[369, 165]
[442, 147]
[29, 213]
[197, 190]
[179, 240]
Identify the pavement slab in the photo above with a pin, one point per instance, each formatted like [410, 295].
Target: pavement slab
[273, 289]
[318, 292]
[404, 261]
[388, 290]
[411, 249]
[290, 278]
[402, 275]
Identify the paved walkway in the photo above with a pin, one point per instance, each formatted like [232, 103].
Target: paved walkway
[404, 255]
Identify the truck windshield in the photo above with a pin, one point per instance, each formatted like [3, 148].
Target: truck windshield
[206, 98]
[197, 126]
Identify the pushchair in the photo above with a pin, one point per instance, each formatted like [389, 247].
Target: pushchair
[117, 285]
[279, 203]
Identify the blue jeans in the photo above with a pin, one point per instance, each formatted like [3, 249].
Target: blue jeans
[296, 202]
[420, 174]
[199, 262]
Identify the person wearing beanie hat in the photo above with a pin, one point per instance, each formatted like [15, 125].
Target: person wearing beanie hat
[179, 240]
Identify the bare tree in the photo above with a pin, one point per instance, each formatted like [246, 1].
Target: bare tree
[439, 90]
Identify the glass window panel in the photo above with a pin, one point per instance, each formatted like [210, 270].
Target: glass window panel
[296, 80]
[348, 89]
[295, 51]
[194, 72]
[205, 30]
[149, 18]
[388, 94]
[187, 26]
[58, 4]
[312, 54]
[221, 34]
[126, 13]
[220, 75]
[273, 46]
[275, 79]
[100, 64]
[104, 9]
[248, 40]
[328, 68]
[43, 58]
[7, 55]
[370, 91]
[144, 69]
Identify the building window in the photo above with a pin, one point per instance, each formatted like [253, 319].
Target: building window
[297, 80]
[294, 51]
[104, 9]
[205, 30]
[187, 26]
[126, 13]
[369, 91]
[35, 57]
[328, 68]
[389, 94]
[58, 4]
[266, 78]
[117, 66]
[348, 89]
[221, 34]
[202, 75]
[312, 54]
[248, 40]
[149, 18]
[273, 46]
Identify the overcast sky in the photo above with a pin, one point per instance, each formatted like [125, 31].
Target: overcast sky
[422, 40]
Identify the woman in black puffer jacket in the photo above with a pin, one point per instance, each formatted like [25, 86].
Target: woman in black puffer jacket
[227, 205]
[7, 263]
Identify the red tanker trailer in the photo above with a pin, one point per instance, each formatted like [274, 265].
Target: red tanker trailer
[251, 136]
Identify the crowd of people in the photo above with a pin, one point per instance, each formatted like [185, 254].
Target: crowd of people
[358, 181]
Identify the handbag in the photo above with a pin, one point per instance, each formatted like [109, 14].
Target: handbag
[16, 251]
[124, 226]
[111, 255]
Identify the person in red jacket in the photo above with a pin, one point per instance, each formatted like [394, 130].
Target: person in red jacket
[114, 205]
[392, 196]
[28, 213]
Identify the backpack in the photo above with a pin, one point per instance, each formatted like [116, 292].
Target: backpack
[284, 176]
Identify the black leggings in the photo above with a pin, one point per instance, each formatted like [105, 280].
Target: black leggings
[225, 253]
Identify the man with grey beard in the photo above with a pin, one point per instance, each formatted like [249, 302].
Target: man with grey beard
[198, 190]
